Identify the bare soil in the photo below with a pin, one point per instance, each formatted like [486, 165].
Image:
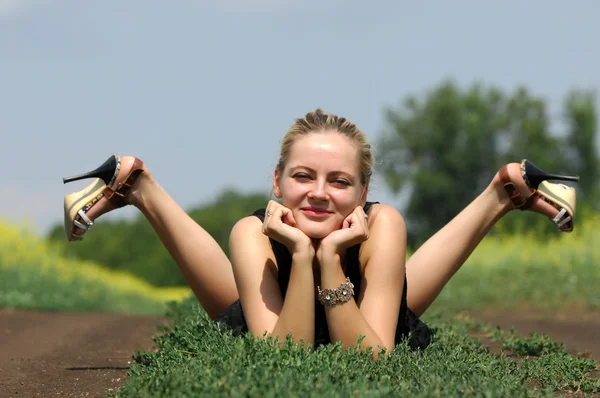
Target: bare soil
[86, 354]
[579, 331]
[46, 354]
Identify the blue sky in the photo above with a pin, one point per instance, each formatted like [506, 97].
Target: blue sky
[204, 90]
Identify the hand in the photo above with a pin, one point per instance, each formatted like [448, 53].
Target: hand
[355, 230]
[280, 225]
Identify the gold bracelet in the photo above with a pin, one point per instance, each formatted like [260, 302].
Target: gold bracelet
[339, 295]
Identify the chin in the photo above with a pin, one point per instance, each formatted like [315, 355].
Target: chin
[316, 230]
[316, 234]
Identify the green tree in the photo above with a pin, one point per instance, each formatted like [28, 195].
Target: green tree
[133, 246]
[446, 147]
[582, 121]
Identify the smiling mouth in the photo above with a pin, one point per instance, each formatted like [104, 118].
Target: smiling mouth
[316, 213]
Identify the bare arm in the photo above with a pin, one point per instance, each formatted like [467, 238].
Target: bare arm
[255, 273]
[375, 313]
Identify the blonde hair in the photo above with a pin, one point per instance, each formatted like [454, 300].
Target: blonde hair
[320, 122]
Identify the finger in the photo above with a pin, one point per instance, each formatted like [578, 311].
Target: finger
[358, 220]
[355, 217]
[347, 223]
[361, 216]
[288, 217]
[274, 210]
[269, 209]
[270, 216]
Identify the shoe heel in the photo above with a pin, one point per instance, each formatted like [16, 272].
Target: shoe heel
[107, 172]
[534, 176]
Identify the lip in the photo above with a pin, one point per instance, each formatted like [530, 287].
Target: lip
[315, 213]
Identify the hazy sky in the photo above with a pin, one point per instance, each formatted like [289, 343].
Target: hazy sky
[203, 90]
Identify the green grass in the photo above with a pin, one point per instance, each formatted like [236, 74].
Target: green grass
[197, 358]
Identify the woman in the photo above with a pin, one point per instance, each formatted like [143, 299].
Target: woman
[324, 265]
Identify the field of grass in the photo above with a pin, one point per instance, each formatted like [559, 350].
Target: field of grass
[34, 276]
[197, 358]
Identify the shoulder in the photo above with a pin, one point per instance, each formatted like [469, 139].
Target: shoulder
[387, 233]
[249, 224]
[248, 246]
[247, 233]
[385, 216]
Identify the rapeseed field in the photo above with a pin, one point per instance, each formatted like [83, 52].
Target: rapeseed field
[34, 275]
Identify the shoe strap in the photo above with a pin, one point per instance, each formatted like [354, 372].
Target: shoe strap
[557, 219]
[509, 187]
[117, 196]
[514, 194]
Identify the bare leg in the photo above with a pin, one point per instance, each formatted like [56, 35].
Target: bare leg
[437, 260]
[203, 263]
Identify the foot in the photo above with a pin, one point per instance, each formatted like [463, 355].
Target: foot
[537, 204]
[103, 205]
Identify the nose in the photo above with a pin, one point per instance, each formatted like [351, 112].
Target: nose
[319, 191]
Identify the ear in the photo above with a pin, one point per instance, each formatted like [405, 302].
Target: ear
[276, 182]
[363, 196]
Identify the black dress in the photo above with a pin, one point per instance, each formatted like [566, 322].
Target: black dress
[409, 325]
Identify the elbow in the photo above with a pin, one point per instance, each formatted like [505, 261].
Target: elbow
[381, 353]
[283, 335]
[378, 348]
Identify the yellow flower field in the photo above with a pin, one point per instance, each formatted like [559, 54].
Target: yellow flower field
[34, 275]
[511, 271]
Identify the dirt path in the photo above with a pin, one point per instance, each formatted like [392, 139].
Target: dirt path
[578, 331]
[74, 355]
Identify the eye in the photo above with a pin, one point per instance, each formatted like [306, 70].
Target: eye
[342, 182]
[301, 176]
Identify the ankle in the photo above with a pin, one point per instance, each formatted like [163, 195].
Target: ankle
[513, 176]
[495, 190]
[142, 189]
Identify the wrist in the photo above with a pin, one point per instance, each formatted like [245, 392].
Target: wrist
[339, 295]
[327, 254]
[330, 265]
[303, 253]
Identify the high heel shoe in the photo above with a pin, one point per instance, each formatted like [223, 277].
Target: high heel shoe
[107, 185]
[560, 196]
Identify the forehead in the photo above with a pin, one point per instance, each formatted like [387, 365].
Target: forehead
[325, 151]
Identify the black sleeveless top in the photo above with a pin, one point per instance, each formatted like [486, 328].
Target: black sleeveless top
[409, 325]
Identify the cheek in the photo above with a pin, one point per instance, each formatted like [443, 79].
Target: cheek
[291, 194]
[346, 200]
